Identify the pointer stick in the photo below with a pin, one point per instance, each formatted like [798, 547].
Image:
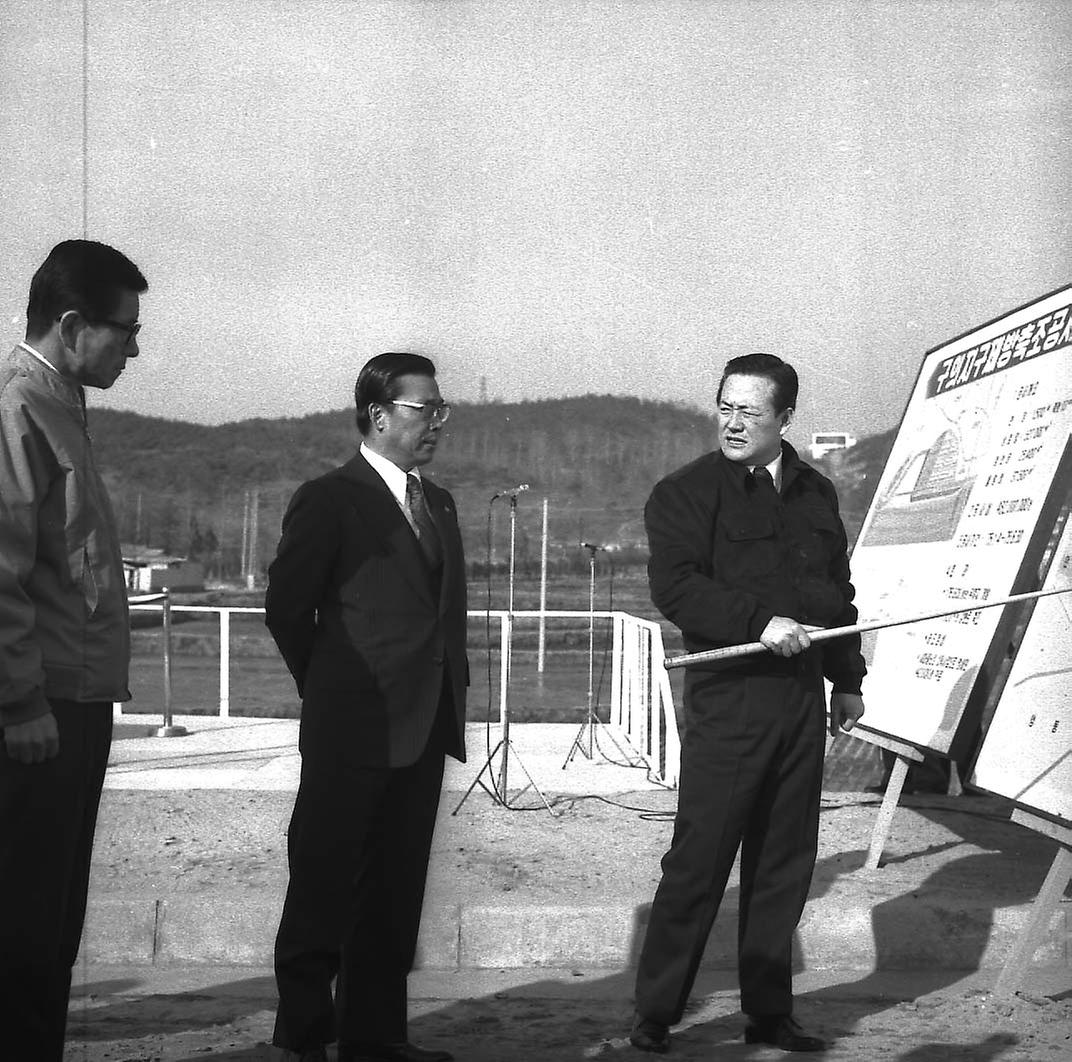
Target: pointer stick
[732, 651]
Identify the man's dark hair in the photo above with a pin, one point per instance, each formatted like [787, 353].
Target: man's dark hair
[80, 275]
[378, 381]
[769, 367]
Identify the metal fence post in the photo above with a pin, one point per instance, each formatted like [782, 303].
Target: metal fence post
[168, 729]
[225, 663]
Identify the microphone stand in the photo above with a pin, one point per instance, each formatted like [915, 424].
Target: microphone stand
[498, 791]
[591, 720]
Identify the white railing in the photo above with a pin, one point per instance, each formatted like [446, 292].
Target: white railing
[641, 702]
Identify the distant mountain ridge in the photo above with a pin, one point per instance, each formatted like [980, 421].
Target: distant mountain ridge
[186, 487]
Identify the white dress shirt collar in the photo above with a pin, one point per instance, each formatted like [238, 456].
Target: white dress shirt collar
[390, 473]
[775, 470]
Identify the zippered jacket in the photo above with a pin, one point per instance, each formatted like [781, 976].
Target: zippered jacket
[725, 562]
[64, 621]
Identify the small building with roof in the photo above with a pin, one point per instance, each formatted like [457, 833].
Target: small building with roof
[148, 570]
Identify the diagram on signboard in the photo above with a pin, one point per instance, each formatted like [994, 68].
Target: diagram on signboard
[959, 517]
[927, 494]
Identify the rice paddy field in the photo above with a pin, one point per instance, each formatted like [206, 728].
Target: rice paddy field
[259, 684]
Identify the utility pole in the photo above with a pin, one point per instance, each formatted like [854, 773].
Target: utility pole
[543, 594]
[221, 535]
[245, 536]
[251, 570]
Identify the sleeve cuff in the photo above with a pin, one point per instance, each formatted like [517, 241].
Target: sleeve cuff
[758, 624]
[847, 687]
[30, 707]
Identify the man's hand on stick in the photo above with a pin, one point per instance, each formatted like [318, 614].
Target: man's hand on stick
[785, 636]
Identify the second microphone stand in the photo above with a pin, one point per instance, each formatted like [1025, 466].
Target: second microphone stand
[499, 791]
[592, 720]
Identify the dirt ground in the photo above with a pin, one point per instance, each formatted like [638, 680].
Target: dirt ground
[186, 842]
[189, 842]
[956, 850]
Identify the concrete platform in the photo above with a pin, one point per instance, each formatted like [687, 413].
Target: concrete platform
[956, 893]
[851, 927]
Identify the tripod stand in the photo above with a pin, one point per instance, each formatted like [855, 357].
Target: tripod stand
[591, 720]
[499, 791]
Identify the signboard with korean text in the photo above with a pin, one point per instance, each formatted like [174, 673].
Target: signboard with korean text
[1026, 754]
[962, 513]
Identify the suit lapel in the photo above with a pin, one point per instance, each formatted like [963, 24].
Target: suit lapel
[381, 512]
[446, 521]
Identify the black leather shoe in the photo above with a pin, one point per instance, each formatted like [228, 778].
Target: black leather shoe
[781, 1030]
[648, 1035]
[400, 1052]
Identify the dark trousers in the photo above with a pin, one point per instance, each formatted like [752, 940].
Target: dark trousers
[751, 777]
[48, 812]
[358, 849]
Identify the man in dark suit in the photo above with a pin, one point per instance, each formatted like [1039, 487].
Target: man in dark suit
[747, 546]
[366, 601]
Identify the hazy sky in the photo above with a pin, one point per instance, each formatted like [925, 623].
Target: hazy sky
[557, 197]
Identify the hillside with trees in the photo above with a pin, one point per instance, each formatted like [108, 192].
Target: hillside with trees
[199, 491]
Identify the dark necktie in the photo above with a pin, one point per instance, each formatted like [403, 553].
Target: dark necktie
[427, 535]
[765, 488]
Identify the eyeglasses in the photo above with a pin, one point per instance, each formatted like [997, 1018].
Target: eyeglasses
[124, 326]
[429, 410]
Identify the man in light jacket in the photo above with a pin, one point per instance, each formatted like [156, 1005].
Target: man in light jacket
[64, 629]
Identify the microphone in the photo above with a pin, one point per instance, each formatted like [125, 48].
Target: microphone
[511, 492]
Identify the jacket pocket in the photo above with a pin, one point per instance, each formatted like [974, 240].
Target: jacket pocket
[747, 527]
[749, 547]
[819, 535]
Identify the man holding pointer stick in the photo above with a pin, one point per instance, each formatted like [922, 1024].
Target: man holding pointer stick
[747, 545]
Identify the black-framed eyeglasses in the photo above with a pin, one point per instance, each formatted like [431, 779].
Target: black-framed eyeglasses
[429, 410]
[124, 326]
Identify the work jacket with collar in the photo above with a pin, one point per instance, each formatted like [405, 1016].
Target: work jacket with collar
[726, 557]
[64, 623]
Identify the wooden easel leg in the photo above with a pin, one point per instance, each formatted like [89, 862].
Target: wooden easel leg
[885, 813]
[955, 787]
[1012, 973]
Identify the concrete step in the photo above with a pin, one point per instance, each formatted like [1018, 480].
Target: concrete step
[840, 930]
